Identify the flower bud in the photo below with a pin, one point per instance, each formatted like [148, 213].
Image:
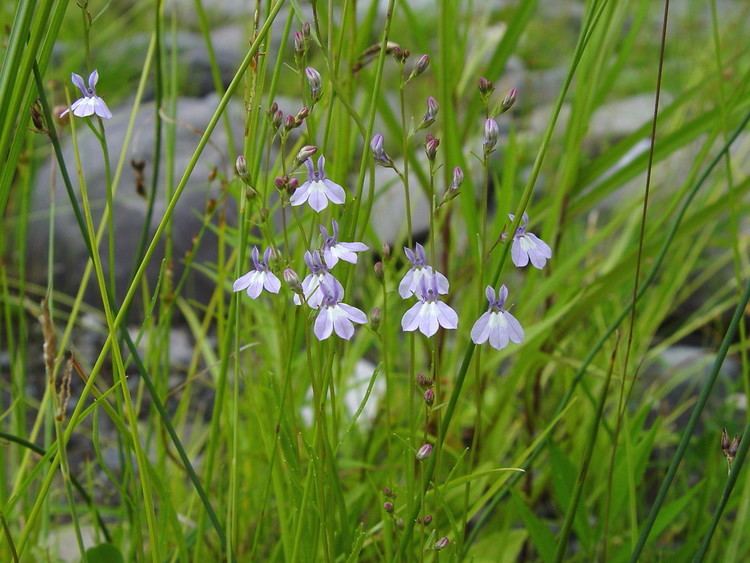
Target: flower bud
[400, 54]
[306, 30]
[292, 184]
[431, 145]
[378, 268]
[290, 123]
[423, 381]
[300, 44]
[509, 100]
[427, 520]
[386, 251]
[306, 152]
[458, 178]
[422, 63]
[485, 87]
[277, 119]
[424, 452]
[388, 506]
[430, 114]
[429, 396]
[442, 543]
[387, 491]
[491, 134]
[375, 317]
[313, 80]
[378, 152]
[280, 182]
[292, 280]
[240, 166]
[273, 109]
[301, 115]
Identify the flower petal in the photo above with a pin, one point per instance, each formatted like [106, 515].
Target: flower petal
[317, 199]
[323, 324]
[256, 284]
[443, 285]
[341, 323]
[271, 282]
[519, 257]
[410, 320]
[242, 282]
[428, 322]
[83, 107]
[498, 331]
[405, 287]
[334, 192]
[77, 79]
[355, 315]
[480, 332]
[101, 109]
[301, 194]
[93, 79]
[446, 316]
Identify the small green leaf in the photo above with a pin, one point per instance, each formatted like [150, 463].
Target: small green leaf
[104, 553]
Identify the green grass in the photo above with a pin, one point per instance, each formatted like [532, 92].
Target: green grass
[579, 444]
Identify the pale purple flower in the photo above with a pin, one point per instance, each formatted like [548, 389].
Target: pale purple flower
[333, 250]
[497, 325]
[335, 316]
[314, 280]
[260, 277]
[90, 103]
[528, 247]
[430, 313]
[419, 270]
[318, 189]
[491, 134]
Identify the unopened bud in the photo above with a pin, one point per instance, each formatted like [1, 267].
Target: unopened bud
[400, 54]
[302, 115]
[421, 65]
[491, 134]
[280, 182]
[424, 452]
[314, 81]
[375, 316]
[300, 44]
[509, 100]
[429, 396]
[485, 87]
[378, 152]
[277, 119]
[293, 183]
[240, 166]
[306, 152]
[378, 269]
[442, 543]
[423, 381]
[427, 520]
[306, 29]
[430, 114]
[388, 506]
[273, 109]
[458, 178]
[292, 280]
[431, 145]
[387, 491]
[386, 251]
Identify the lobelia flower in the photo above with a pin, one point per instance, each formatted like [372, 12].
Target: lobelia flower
[497, 325]
[90, 103]
[314, 281]
[318, 189]
[333, 250]
[430, 313]
[528, 247]
[335, 316]
[260, 277]
[378, 151]
[410, 283]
